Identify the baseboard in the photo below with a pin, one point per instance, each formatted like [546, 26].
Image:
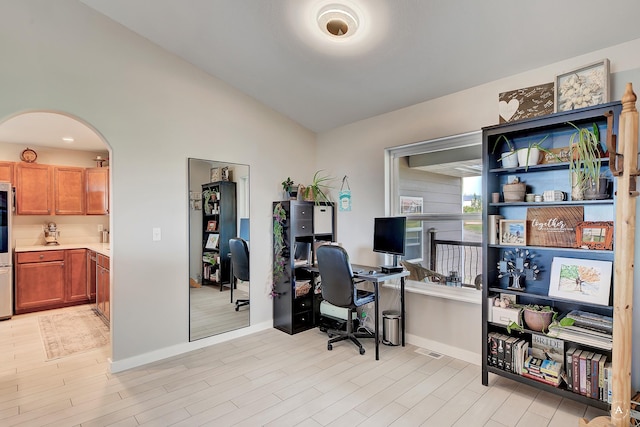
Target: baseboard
[163, 353]
[458, 353]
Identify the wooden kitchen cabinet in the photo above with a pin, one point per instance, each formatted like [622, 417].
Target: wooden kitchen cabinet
[69, 190]
[40, 281]
[7, 171]
[34, 195]
[91, 275]
[103, 290]
[76, 272]
[97, 191]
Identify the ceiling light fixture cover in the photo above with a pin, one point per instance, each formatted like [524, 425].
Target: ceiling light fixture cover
[338, 21]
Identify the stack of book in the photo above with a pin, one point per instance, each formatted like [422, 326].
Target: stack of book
[589, 375]
[588, 328]
[547, 371]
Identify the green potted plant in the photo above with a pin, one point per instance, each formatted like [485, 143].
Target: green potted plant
[508, 158]
[287, 187]
[530, 155]
[318, 189]
[585, 164]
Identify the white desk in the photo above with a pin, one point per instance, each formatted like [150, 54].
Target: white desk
[376, 279]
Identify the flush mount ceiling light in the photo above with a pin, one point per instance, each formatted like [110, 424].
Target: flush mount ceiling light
[338, 21]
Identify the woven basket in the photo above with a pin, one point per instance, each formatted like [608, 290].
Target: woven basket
[514, 192]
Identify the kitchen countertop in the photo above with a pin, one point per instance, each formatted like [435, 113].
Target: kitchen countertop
[101, 248]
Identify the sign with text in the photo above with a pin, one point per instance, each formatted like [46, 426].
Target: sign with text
[553, 226]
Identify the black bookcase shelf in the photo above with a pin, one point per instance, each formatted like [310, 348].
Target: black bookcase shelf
[540, 178]
[222, 209]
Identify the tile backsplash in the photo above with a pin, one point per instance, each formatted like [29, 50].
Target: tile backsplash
[28, 230]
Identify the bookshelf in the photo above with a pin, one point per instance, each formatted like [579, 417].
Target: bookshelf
[219, 213]
[539, 283]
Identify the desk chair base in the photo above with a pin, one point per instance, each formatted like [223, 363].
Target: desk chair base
[240, 303]
[341, 335]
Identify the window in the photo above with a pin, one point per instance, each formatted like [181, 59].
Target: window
[444, 235]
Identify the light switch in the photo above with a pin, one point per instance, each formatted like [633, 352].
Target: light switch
[157, 235]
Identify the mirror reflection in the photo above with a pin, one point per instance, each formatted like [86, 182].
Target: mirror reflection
[218, 247]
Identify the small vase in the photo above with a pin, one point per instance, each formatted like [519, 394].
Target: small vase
[528, 156]
[577, 192]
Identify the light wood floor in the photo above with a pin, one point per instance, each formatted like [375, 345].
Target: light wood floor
[211, 311]
[268, 378]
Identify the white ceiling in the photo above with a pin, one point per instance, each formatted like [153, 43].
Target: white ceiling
[405, 52]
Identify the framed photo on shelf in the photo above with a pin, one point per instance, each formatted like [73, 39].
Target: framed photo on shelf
[595, 235]
[212, 225]
[215, 175]
[585, 280]
[513, 232]
[225, 174]
[212, 241]
[583, 87]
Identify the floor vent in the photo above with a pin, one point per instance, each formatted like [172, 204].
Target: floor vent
[429, 353]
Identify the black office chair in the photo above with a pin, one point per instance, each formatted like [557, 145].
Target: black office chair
[239, 265]
[339, 289]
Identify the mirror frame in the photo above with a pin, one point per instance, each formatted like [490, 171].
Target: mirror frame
[202, 295]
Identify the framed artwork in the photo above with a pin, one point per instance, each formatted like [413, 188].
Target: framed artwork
[583, 87]
[583, 280]
[225, 174]
[513, 232]
[212, 241]
[525, 103]
[409, 205]
[211, 225]
[595, 235]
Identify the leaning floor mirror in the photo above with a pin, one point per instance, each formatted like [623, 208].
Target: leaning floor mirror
[218, 255]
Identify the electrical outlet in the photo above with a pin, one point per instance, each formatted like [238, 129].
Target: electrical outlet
[100, 227]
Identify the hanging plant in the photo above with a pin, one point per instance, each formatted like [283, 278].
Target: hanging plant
[279, 246]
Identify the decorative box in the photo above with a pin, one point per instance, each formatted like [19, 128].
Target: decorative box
[506, 315]
[554, 196]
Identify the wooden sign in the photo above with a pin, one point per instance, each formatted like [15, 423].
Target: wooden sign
[525, 103]
[553, 226]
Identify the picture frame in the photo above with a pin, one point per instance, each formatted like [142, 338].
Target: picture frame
[212, 241]
[411, 205]
[212, 225]
[225, 173]
[595, 235]
[513, 232]
[583, 87]
[579, 279]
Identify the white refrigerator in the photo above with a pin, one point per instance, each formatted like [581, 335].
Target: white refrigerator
[6, 268]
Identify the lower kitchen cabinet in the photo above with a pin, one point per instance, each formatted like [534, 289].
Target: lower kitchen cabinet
[52, 279]
[103, 291]
[92, 259]
[40, 281]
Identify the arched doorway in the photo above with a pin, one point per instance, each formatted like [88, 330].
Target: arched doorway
[57, 157]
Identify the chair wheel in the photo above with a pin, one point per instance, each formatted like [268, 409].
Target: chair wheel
[330, 335]
[237, 308]
[361, 350]
[329, 347]
[322, 329]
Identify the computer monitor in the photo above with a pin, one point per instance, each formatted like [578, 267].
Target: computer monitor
[244, 229]
[389, 236]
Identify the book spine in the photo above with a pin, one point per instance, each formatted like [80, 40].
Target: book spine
[500, 351]
[569, 367]
[594, 375]
[583, 373]
[603, 361]
[508, 355]
[587, 381]
[576, 371]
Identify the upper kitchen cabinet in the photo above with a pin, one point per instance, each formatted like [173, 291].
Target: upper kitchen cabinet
[69, 190]
[6, 171]
[97, 181]
[34, 195]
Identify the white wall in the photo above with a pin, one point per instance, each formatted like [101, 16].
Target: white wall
[154, 111]
[461, 112]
